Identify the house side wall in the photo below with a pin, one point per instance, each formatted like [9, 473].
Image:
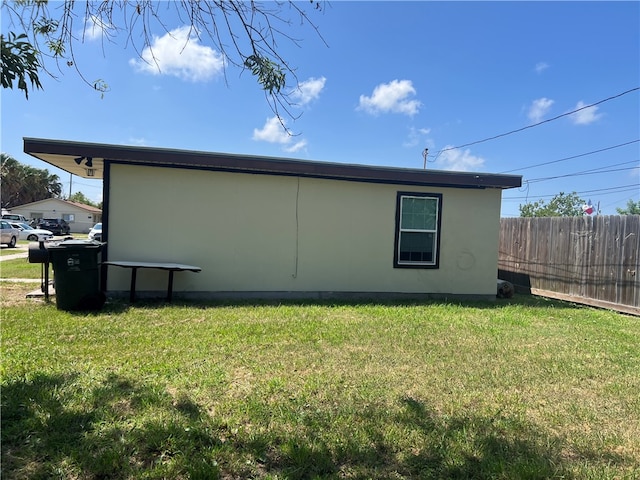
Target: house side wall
[52, 208]
[262, 233]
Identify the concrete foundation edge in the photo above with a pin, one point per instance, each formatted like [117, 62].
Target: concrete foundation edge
[279, 295]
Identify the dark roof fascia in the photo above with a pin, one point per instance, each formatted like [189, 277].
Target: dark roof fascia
[268, 165]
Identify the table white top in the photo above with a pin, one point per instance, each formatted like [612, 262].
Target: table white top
[160, 265]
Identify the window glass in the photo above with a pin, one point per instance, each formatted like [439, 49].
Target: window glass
[417, 230]
[416, 247]
[419, 213]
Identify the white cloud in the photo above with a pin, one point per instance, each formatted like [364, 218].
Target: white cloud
[586, 115]
[308, 90]
[392, 97]
[95, 28]
[180, 53]
[541, 67]
[140, 141]
[272, 132]
[296, 147]
[539, 108]
[458, 160]
[416, 136]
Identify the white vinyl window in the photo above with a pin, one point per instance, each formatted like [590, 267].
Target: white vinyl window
[417, 230]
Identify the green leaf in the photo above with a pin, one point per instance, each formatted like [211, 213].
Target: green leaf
[270, 74]
[19, 62]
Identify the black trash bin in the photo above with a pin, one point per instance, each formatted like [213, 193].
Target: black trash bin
[77, 275]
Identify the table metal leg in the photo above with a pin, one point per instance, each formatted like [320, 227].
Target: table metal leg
[170, 287]
[45, 288]
[132, 290]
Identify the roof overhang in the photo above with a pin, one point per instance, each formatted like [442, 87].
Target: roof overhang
[87, 160]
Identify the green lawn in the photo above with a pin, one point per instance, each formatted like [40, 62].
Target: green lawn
[21, 247]
[525, 388]
[20, 268]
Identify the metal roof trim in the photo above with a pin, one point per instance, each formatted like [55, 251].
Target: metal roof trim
[61, 153]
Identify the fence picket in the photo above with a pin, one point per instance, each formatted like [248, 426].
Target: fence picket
[584, 257]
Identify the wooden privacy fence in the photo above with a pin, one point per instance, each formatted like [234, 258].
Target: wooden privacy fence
[591, 260]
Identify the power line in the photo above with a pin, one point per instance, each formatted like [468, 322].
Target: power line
[574, 156]
[601, 191]
[636, 162]
[585, 172]
[94, 185]
[539, 123]
[615, 202]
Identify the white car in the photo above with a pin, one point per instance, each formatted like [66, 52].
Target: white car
[9, 234]
[27, 232]
[96, 232]
[12, 217]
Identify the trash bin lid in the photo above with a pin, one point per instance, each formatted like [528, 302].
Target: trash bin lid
[77, 245]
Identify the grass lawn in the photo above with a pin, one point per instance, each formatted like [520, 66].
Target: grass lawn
[517, 389]
[21, 268]
[21, 247]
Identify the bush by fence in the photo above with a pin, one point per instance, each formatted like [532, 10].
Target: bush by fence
[590, 259]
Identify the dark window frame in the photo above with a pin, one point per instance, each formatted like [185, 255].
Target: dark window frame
[397, 263]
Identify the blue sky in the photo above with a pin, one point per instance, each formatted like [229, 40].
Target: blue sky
[385, 81]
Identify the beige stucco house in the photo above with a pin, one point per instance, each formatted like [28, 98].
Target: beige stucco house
[266, 227]
[80, 217]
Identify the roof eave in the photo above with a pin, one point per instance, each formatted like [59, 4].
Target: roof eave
[63, 154]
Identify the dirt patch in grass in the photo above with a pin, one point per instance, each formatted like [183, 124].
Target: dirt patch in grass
[15, 294]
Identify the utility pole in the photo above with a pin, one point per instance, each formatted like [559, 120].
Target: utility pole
[70, 183]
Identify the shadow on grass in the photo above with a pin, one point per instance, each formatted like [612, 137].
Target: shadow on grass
[119, 305]
[53, 428]
[518, 299]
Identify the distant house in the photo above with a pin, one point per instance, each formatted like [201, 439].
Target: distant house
[80, 217]
[266, 227]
